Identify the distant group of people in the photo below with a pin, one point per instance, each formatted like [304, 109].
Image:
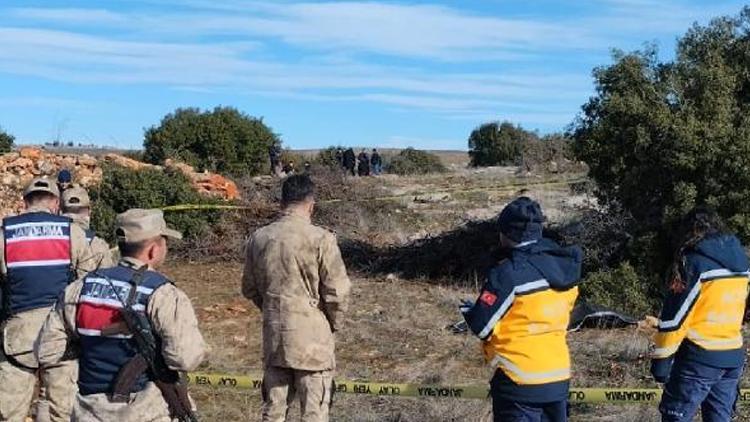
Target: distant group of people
[361, 165]
[364, 163]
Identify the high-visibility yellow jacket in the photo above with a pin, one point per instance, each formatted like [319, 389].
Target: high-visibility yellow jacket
[522, 317]
[703, 323]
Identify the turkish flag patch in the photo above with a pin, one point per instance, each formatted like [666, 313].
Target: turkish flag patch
[488, 298]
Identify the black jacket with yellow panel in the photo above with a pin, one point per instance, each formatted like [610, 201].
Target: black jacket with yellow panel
[522, 316]
[703, 322]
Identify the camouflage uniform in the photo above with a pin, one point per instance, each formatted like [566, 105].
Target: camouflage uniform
[294, 273]
[19, 367]
[73, 199]
[174, 322]
[99, 247]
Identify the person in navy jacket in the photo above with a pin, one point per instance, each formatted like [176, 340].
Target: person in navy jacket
[699, 351]
[522, 316]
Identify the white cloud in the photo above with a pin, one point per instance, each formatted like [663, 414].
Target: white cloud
[405, 56]
[78, 58]
[45, 102]
[417, 31]
[70, 16]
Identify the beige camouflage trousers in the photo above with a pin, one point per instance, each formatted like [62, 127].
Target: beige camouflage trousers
[282, 386]
[145, 406]
[17, 388]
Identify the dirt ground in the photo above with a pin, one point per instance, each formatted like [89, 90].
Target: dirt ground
[396, 331]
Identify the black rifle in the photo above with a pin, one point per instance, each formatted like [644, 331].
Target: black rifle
[169, 382]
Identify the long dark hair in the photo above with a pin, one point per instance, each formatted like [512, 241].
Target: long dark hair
[698, 224]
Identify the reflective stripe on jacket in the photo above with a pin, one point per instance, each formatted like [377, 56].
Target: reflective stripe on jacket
[522, 316]
[99, 303]
[37, 249]
[704, 321]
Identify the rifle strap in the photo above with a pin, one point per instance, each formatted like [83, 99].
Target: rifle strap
[129, 374]
[135, 282]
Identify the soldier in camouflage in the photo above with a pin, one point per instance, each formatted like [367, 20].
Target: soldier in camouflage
[294, 273]
[40, 253]
[76, 205]
[88, 318]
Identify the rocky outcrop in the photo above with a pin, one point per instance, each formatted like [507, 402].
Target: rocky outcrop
[19, 167]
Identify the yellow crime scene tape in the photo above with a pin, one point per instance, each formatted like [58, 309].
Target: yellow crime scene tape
[426, 391]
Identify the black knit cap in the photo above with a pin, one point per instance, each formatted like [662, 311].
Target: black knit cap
[521, 220]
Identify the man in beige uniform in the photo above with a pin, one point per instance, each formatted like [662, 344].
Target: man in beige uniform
[88, 319]
[40, 253]
[294, 273]
[76, 205]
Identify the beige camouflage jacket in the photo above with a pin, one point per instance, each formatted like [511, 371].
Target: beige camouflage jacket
[294, 273]
[21, 330]
[99, 247]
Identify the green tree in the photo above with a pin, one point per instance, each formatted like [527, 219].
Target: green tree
[122, 189]
[495, 144]
[414, 161]
[223, 140]
[6, 141]
[660, 138]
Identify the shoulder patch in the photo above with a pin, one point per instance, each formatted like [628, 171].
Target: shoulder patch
[488, 298]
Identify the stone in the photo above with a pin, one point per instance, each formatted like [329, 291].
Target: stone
[47, 167]
[18, 168]
[22, 163]
[429, 198]
[87, 160]
[31, 153]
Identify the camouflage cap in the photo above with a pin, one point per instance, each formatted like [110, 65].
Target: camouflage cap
[137, 225]
[41, 184]
[75, 197]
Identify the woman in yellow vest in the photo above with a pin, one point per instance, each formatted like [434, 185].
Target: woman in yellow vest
[699, 352]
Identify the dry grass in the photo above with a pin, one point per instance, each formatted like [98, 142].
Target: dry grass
[395, 332]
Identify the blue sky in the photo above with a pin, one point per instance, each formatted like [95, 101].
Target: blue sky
[369, 73]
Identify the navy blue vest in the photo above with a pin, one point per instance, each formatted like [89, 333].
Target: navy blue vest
[99, 306]
[38, 259]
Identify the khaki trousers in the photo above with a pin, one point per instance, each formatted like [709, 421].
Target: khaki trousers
[17, 388]
[145, 406]
[282, 386]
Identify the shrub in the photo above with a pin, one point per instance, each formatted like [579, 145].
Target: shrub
[621, 289]
[603, 236]
[6, 141]
[550, 154]
[135, 154]
[298, 159]
[223, 140]
[498, 144]
[122, 189]
[414, 161]
[327, 158]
